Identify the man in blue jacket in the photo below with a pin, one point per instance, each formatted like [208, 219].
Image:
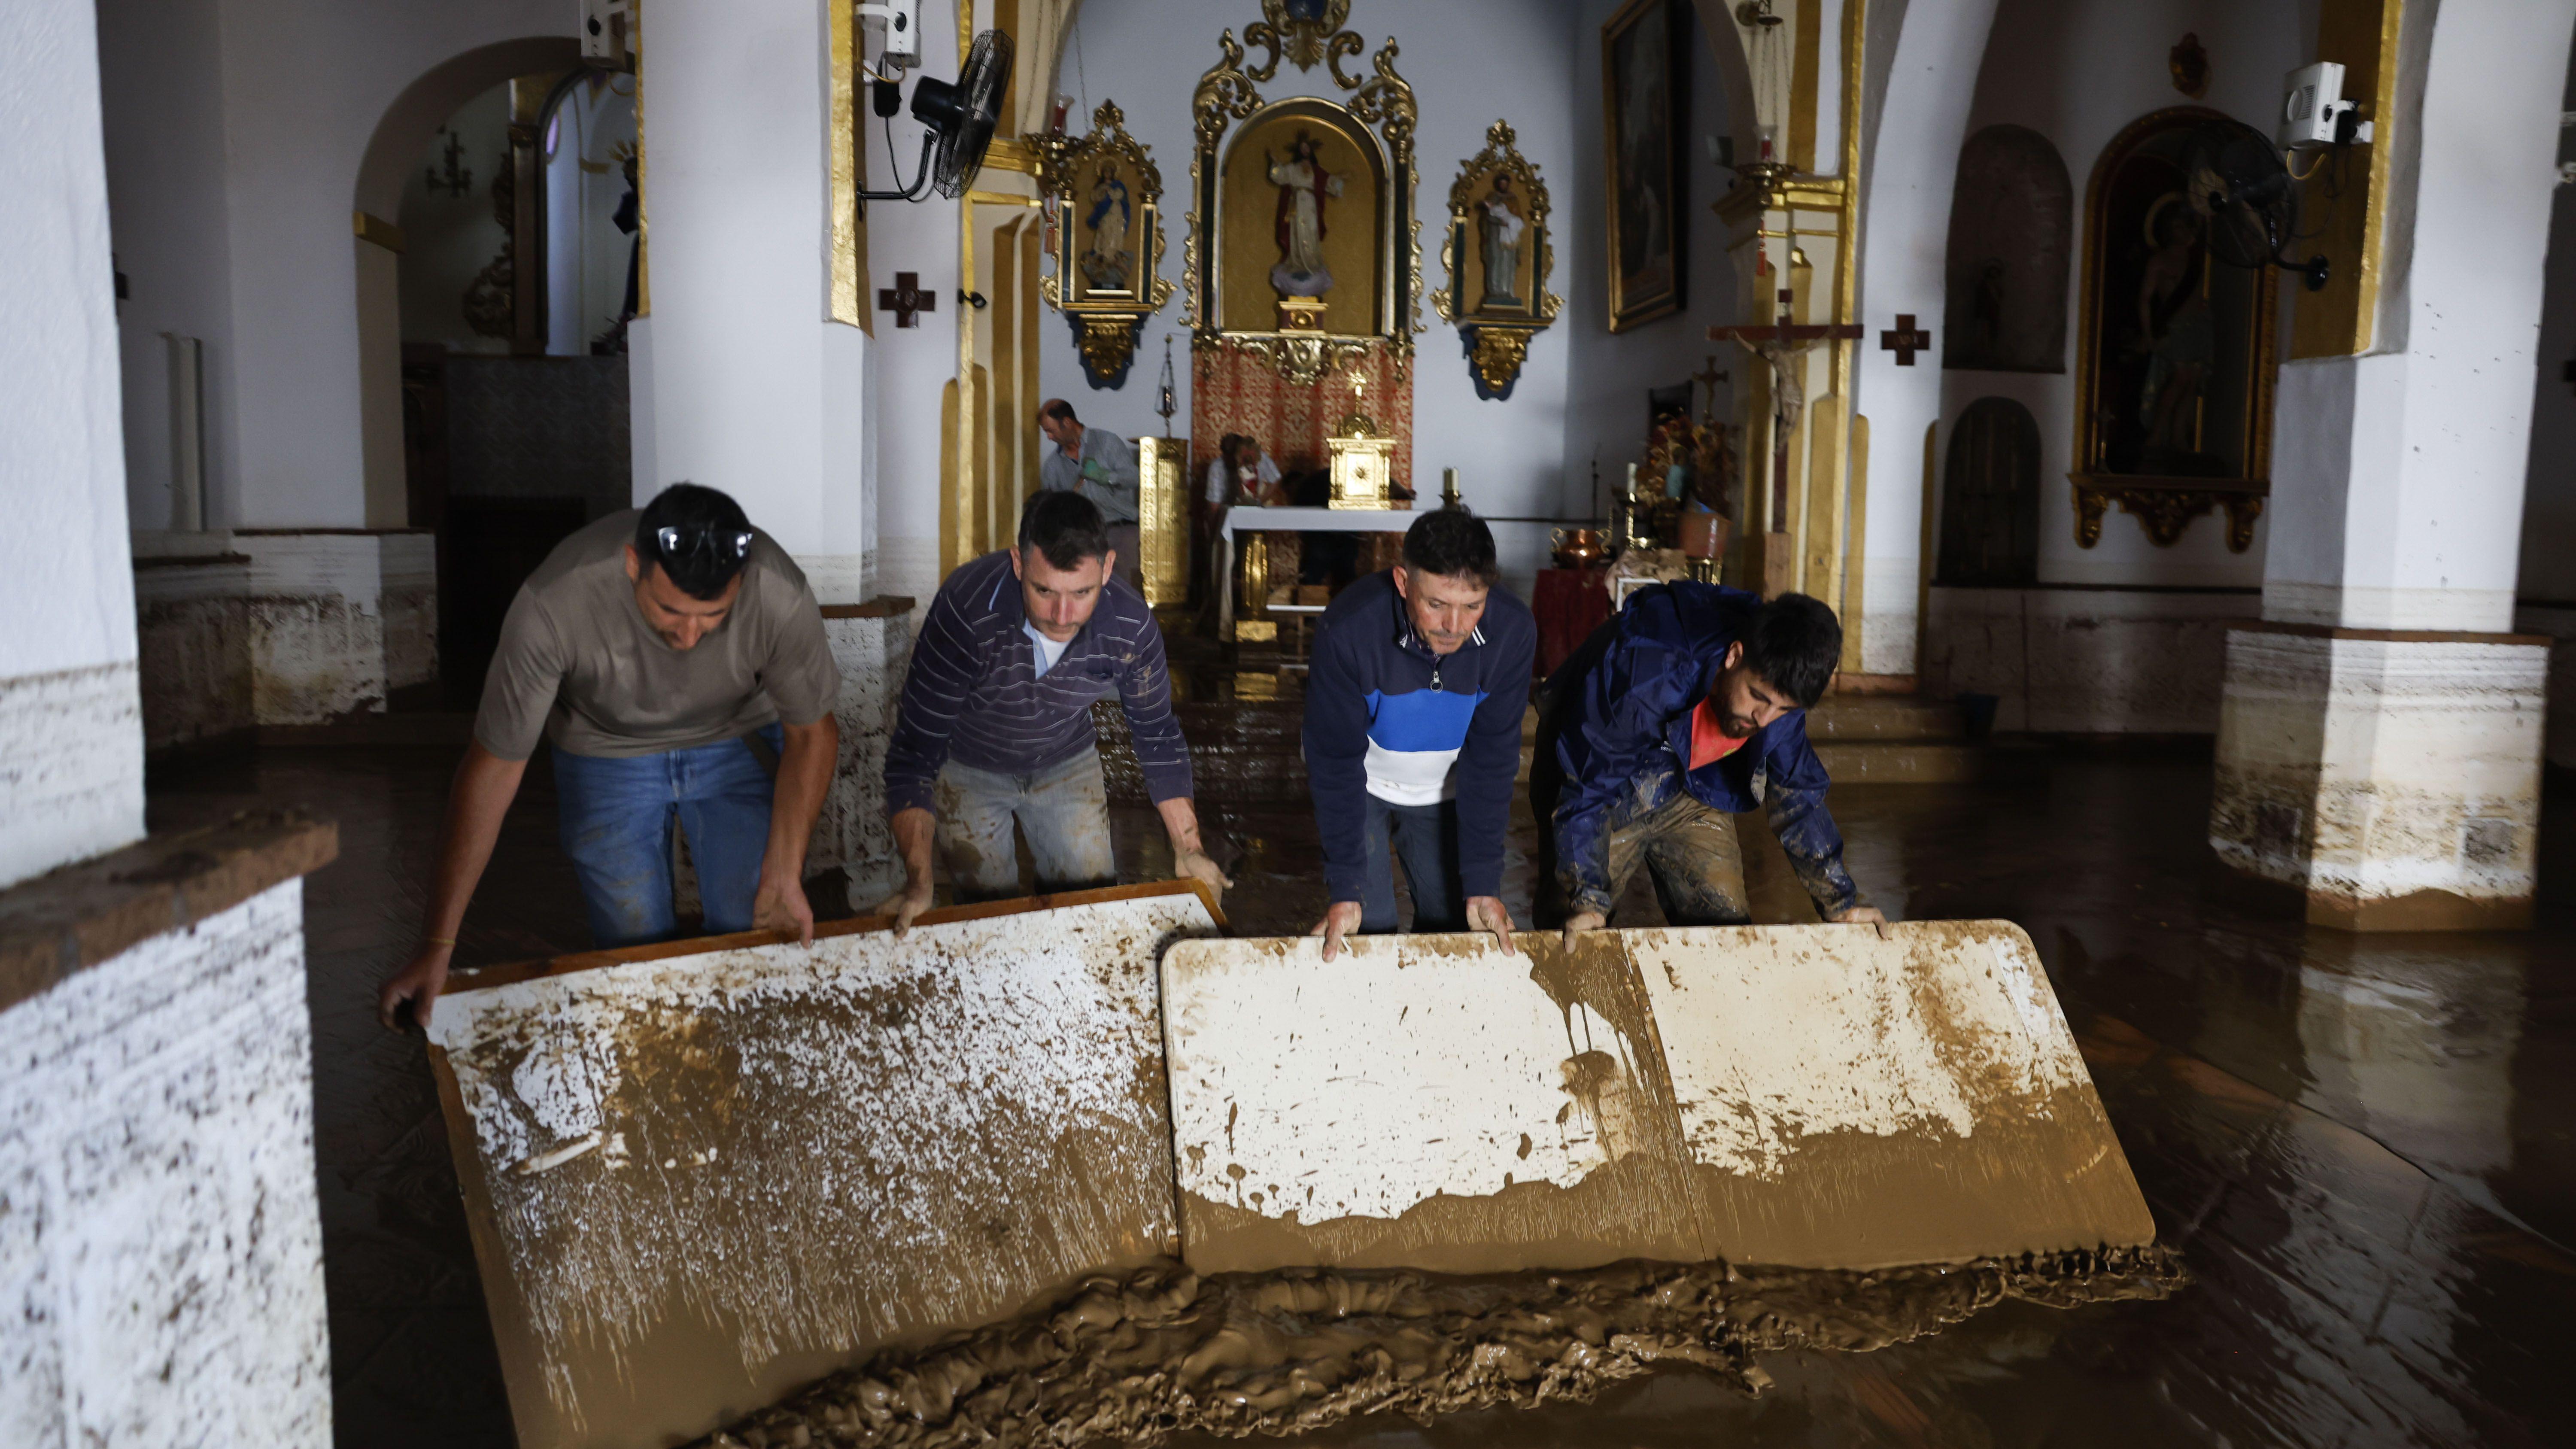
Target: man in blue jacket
[1413, 728]
[1685, 709]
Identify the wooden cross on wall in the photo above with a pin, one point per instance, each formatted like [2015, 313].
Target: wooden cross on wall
[1906, 340]
[906, 299]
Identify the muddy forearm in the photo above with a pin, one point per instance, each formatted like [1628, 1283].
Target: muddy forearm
[804, 774]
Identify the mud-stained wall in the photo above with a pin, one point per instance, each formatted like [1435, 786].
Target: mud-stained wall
[700, 1181]
[1822, 1097]
[853, 832]
[160, 1245]
[2086, 661]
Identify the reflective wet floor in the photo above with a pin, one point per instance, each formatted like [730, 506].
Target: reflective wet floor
[2361, 1144]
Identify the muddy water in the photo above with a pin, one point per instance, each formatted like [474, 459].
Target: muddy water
[1140, 1356]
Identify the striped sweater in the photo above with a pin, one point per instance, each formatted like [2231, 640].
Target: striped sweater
[973, 692]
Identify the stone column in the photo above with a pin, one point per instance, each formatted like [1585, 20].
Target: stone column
[2379, 741]
[750, 371]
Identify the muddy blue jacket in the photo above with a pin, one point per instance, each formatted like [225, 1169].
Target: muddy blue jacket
[1625, 731]
[1385, 717]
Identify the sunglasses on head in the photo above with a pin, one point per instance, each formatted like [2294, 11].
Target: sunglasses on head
[719, 543]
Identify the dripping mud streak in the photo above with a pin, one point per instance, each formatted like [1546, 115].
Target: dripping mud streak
[1138, 1356]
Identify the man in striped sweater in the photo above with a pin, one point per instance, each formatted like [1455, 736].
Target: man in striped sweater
[994, 727]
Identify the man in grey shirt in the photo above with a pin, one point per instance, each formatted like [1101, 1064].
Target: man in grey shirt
[1101, 466]
[676, 660]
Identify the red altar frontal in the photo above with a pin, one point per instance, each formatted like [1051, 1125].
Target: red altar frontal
[1240, 389]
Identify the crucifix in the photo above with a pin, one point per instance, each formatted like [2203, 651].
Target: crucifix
[1906, 340]
[1779, 345]
[907, 299]
[1709, 376]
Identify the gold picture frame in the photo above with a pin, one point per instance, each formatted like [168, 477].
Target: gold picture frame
[1645, 71]
[2222, 462]
[1498, 210]
[1107, 193]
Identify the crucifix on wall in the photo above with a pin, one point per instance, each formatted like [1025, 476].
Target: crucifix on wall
[907, 299]
[1779, 345]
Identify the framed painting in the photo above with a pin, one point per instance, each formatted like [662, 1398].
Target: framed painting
[1644, 68]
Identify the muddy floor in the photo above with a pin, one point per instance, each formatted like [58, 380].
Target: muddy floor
[2359, 1146]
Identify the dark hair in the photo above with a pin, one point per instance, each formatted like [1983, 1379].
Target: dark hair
[1066, 527]
[1232, 444]
[1452, 543]
[1061, 411]
[711, 526]
[1795, 645]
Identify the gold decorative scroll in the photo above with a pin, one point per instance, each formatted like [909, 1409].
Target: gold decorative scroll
[1305, 42]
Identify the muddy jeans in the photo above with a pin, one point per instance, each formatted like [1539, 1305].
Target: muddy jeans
[1688, 846]
[616, 818]
[1062, 809]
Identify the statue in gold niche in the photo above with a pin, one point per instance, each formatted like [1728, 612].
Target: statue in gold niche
[1304, 186]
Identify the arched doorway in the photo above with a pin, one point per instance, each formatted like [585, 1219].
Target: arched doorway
[1990, 504]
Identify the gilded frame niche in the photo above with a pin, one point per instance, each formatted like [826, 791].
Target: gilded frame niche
[1496, 333]
[2165, 502]
[1381, 111]
[1105, 295]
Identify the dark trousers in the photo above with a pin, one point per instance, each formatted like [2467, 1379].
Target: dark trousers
[1425, 837]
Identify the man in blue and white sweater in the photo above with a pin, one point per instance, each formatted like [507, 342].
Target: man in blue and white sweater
[1413, 728]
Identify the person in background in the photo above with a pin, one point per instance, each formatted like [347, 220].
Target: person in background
[994, 726]
[1413, 729]
[1686, 709]
[1101, 466]
[1239, 476]
[676, 659]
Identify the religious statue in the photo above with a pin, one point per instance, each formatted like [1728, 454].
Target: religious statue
[1107, 261]
[2176, 331]
[1502, 236]
[1303, 187]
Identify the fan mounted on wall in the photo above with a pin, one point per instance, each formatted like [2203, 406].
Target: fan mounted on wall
[957, 120]
[2239, 184]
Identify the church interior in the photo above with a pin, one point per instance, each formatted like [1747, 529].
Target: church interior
[2171, 407]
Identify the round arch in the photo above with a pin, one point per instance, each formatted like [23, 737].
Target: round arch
[401, 135]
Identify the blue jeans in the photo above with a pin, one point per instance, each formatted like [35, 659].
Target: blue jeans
[616, 822]
[1426, 837]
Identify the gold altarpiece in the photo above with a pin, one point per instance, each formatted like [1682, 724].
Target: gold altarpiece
[1304, 257]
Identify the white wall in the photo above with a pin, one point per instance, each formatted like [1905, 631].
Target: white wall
[448, 240]
[2401, 491]
[908, 367]
[1912, 142]
[752, 390]
[161, 1259]
[71, 726]
[1470, 64]
[2077, 71]
[1605, 408]
[236, 158]
[164, 103]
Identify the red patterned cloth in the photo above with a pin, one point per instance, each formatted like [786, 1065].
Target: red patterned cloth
[1235, 391]
[1571, 603]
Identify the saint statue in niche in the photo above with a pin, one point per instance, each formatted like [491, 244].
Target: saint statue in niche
[1304, 185]
[1502, 228]
[1107, 263]
[2175, 331]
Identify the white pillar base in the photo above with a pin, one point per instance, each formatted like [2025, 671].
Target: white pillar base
[2392, 776]
[871, 642]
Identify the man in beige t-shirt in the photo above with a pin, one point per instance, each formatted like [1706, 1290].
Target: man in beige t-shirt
[676, 661]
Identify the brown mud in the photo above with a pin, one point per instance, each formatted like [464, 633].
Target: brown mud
[1139, 1356]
